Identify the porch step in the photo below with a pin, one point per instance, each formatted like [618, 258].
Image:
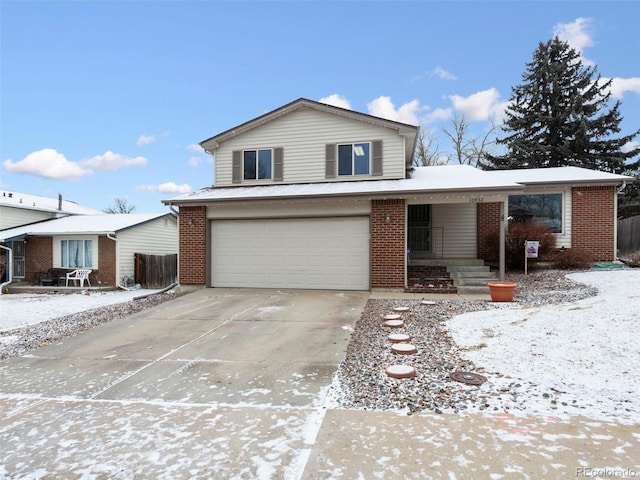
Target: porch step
[471, 278]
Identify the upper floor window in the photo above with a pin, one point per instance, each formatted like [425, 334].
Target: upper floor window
[354, 159]
[257, 164]
[545, 209]
[76, 253]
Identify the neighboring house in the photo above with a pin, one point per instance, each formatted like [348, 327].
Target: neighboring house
[315, 196]
[21, 209]
[104, 243]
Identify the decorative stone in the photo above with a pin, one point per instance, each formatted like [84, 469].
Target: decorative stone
[394, 323]
[401, 371]
[404, 348]
[399, 338]
[401, 309]
[392, 316]
[428, 303]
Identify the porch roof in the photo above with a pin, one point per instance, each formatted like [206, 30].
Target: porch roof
[100, 224]
[449, 179]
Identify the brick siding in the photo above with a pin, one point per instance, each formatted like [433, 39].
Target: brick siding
[38, 257]
[192, 257]
[106, 272]
[592, 226]
[388, 251]
[488, 222]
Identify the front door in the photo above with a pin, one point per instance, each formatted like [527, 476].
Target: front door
[419, 236]
[18, 258]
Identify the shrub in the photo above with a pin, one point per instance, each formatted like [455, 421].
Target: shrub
[572, 259]
[515, 237]
[632, 259]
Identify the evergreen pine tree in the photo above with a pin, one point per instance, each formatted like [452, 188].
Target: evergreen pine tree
[560, 116]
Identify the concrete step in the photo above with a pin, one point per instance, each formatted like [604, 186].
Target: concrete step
[473, 282]
[473, 290]
[473, 274]
[468, 268]
[449, 262]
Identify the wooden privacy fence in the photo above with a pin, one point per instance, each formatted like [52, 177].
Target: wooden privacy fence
[156, 271]
[629, 234]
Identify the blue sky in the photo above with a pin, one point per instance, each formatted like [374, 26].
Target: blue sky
[109, 99]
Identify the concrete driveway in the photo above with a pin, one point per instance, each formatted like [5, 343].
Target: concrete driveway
[231, 384]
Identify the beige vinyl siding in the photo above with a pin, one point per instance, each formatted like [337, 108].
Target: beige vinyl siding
[293, 209]
[14, 217]
[303, 134]
[57, 248]
[455, 230]
[159, 237]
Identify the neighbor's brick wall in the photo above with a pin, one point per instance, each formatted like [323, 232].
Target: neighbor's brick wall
[38, 258]
[388, 251]
[488, 222]
[106, 272]
[192, 257]
[592, 225]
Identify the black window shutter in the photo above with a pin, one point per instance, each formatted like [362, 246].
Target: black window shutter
[376, 164]
[278, 164]
[330, 161]
[236, 167]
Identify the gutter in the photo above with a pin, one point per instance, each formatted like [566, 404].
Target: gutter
[10, 259]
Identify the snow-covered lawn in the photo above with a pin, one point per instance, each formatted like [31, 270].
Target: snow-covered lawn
[575, 358]
[19, 310]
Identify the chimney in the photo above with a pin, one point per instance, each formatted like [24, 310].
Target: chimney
[60, 201]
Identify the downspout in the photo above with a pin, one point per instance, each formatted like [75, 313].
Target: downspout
[503, 228]
[177, 214]
[10, 260]
[615, 220]
[114, 238]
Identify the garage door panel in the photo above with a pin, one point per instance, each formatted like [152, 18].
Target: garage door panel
[323, 253]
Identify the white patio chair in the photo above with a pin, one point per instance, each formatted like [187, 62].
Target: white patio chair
[79, 275]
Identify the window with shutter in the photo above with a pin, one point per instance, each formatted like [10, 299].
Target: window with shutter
[330, 161]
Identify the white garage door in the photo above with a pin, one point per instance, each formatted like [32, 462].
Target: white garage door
[319, 253]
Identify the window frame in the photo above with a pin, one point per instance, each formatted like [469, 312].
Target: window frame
[87, 253]
[257, 152]
[354, 158]
[561, 214]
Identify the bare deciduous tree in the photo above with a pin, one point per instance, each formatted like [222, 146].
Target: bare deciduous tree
[428, 150]
[469, 150]
[120, 205]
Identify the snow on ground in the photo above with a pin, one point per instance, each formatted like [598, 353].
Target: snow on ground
[575, 358]
[22, 309]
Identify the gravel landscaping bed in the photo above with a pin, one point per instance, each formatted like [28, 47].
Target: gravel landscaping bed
[20, 340]
[362, 382]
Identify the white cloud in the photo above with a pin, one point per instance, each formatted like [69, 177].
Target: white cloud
[168, 187]
[337, 101]
[621, 85]
[110, 161]
[145, 140]
[194, 147]
[194, 162]
[577, 35]
[383, 107]
[442, 73]
[48, 163]
[480, 106]
[437, 115]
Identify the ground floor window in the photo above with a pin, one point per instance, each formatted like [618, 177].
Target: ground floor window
[76, 253]
[545, 209]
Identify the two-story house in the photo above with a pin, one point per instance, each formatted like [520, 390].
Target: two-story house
[315, 196]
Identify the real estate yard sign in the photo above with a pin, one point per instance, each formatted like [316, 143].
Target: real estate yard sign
[530, 251]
